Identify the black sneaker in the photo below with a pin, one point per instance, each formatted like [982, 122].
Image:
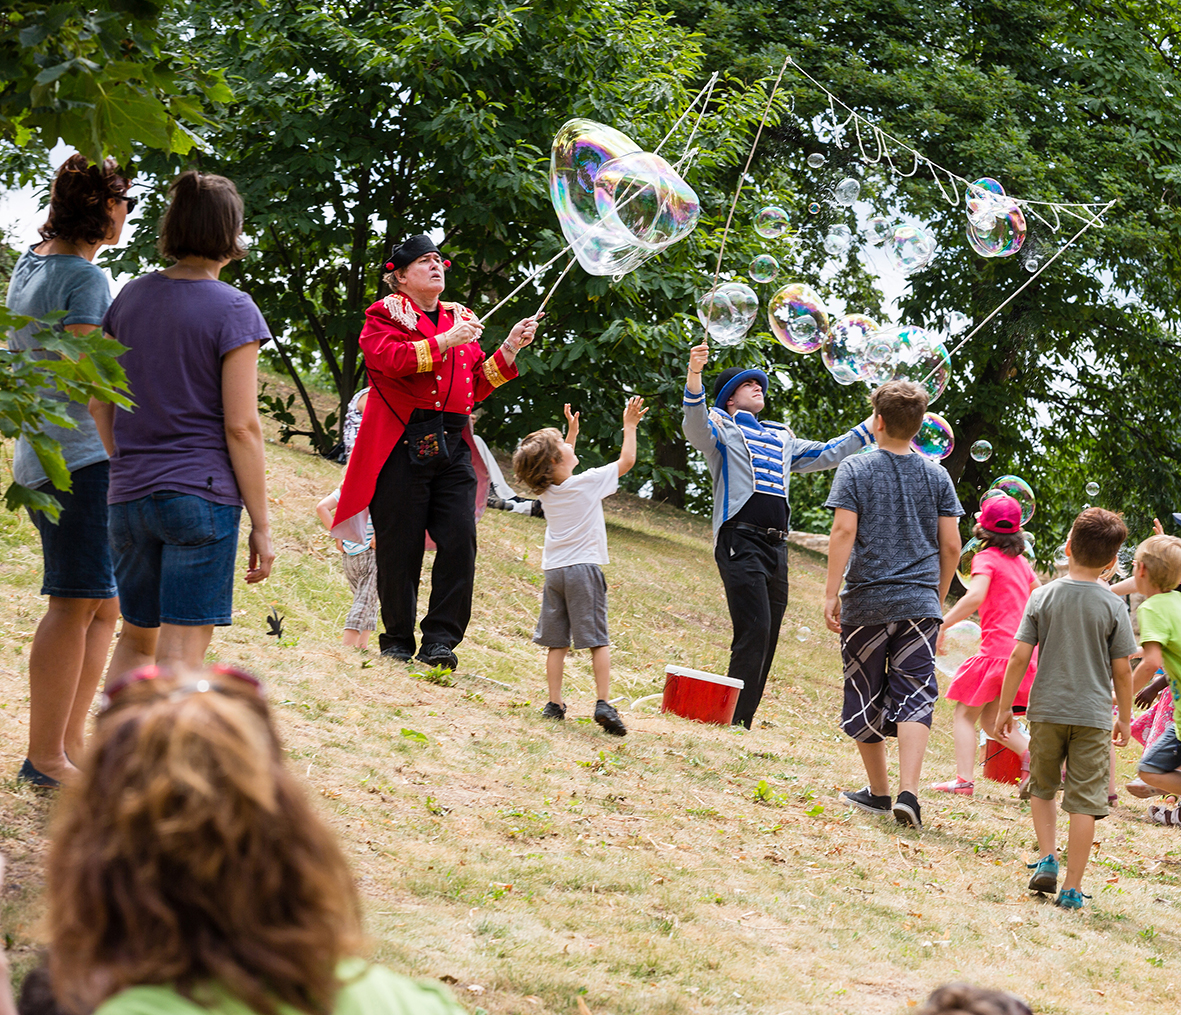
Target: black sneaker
[907, 810]
[438, 655]
[553, 710]
[537, 511]
[397, 652]
[866, 801]
[608, 718]
[498, 504]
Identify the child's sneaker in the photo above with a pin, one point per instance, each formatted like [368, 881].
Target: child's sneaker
[1070, 898]
[608, 718]
[864, 800]
[553, 710]
[1045, 874]
[907, 810]
[956, 785]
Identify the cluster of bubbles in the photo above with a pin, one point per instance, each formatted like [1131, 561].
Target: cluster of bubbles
[1022, 493]
[996, 226]
[617, 205]
[960, 642]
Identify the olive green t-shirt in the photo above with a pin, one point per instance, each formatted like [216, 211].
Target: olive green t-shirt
[1160, 621]
[1079, 627]
[367, 990]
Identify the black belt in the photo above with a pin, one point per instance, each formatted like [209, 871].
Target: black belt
[773, 536]
[453, 422]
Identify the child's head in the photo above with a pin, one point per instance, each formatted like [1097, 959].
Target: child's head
[1096, 536]
[999, 525]
[536, 456]
[901, 405]
[1161, 557]
[964, 999]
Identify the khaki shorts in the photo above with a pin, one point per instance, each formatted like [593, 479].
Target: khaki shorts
[1086, 752]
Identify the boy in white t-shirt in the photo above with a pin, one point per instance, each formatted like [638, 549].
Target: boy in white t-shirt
[574, 602]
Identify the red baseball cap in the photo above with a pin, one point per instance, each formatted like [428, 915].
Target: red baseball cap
[1000, 513]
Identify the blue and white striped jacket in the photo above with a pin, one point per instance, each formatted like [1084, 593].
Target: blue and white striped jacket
[714, 433]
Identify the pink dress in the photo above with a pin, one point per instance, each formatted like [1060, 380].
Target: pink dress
[978, 681]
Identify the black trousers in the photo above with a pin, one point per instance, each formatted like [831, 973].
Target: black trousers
[410, 501]
[754, 573]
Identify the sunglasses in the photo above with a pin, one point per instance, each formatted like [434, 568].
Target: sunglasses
[201, 686]
[131, 202]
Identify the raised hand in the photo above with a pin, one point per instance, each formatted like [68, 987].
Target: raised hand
[634, 411]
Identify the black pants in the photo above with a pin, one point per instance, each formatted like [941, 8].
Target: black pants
[754, 573]
[410, 501]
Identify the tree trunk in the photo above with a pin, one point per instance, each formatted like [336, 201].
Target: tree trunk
[671, 454]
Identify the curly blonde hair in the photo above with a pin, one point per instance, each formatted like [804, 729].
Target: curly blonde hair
[536, 456]
[186, 854]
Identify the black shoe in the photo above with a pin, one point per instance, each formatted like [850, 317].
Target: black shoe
[553, 710]
[38, 780]
[537, 510]
[438, 655]
[907, 810]
[864, 800]
[496, 503]
[608, 718]
[397, 652]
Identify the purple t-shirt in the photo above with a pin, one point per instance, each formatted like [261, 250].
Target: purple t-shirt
[177, 331]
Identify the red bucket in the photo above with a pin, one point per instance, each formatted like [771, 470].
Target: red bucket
[1001, 764]
[695, 694]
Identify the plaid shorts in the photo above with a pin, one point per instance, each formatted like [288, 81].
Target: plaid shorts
[889, 677]
[361, 571]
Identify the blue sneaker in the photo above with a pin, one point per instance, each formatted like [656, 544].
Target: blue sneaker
[1045, 874]
[1070, 898]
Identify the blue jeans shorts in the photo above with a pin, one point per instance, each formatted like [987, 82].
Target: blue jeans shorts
[76, 550]
[174, 559]
[1164, 755]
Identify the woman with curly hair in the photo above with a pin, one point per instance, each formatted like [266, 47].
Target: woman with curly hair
[88, 205]
[188, 872]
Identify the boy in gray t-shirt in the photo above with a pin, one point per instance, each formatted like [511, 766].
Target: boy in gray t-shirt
[1084, 637]
[896, 525]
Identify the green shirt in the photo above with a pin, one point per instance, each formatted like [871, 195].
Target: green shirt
[367, 990]
[1160, 621]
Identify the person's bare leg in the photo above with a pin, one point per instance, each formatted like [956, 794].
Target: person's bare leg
[363, 640]
[98, 643]
[963, 735]
[1111, 787]
[1080, 838]
[55, 662]
[351, 638]
[1045, 825]
[183, 646]
[555, 662]
[912, 745]
[601, 667]
[1166, 782]
[1017, 742]
[873, 757]
[136, 647]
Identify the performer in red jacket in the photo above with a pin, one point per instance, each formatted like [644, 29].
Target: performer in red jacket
[412, 466]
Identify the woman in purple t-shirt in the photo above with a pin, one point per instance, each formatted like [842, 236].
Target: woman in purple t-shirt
[191, 453]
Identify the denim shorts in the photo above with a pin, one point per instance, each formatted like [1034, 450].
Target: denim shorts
[174, 559]
[1165, 753]
[76, 550]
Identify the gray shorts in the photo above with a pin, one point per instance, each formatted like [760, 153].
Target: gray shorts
[574, 603]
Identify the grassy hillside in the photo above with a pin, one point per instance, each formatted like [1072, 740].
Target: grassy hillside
[685, 868]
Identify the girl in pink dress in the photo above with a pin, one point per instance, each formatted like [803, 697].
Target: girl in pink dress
[1001, 583]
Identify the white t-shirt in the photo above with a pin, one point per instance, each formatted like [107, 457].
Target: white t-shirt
[575, 532]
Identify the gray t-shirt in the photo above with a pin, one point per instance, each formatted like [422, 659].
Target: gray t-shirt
[1079, 627]
[42, 283]
[893, 571]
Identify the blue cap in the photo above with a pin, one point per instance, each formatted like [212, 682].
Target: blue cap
[729, 380]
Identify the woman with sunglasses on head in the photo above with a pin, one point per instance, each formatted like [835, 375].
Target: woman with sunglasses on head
[88, 205]
[190, 455]
[189, 875]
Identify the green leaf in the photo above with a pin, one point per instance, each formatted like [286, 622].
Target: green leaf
[17, 497]
[418, 738]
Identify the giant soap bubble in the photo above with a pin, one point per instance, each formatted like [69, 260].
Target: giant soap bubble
[935, 439]
[877, 362]
[1019, 490]
[963, 570]
[911, 247]
[798, 318]
[843, 347]
[727, 313]
[996, 227]
[616, 205]
[918, 355]
[878, 229]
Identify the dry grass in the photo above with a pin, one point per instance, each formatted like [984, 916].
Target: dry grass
[533, 863]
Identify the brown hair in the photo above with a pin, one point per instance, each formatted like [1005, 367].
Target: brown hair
[1096, 536]
[204, 219]
[1011, 544]
[1161, 557]
[964, 999]
[78, 211]
[186, 853]
[535, 458]
[901, 405]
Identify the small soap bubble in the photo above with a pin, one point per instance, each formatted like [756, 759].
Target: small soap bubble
[1060, 558]
[960, 642]
[911, 248]
[1032, 264]
[802, 633]
[816, 160]
[981, 451]
[1092, 489]
[798, 318]
[1019, 490]
[838, 240]
[847, 191]
[772, 222]
[763, 268]
[728, 313]
[935, 439]
[996, 226]
[813, 208]
[877, 230]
